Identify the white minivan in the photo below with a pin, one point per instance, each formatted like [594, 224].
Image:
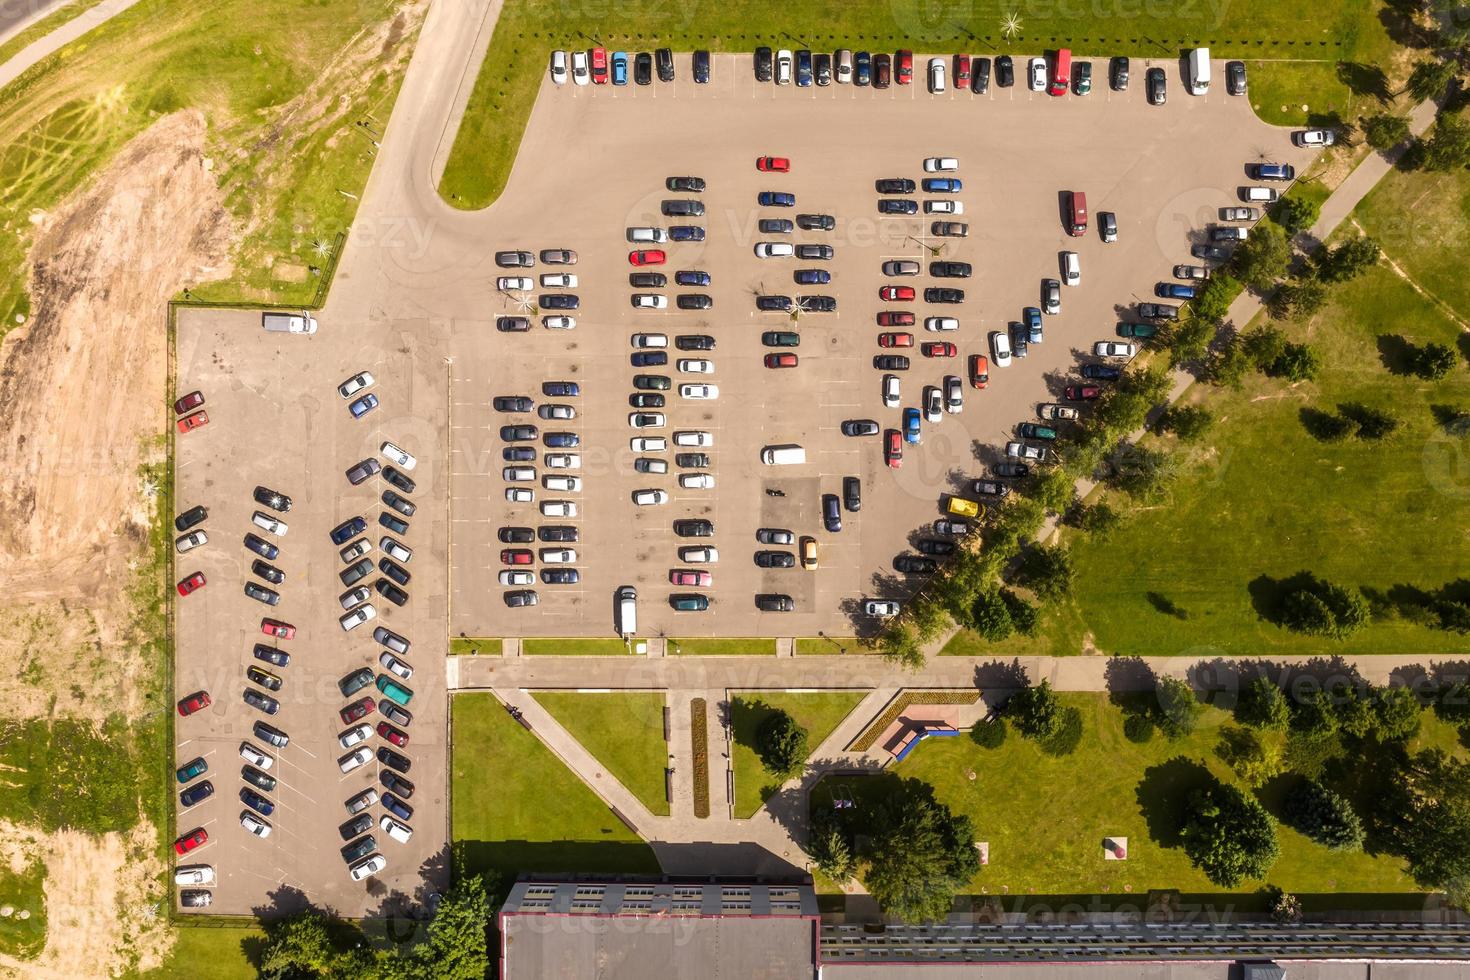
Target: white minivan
[783, 455]
[1199, 71]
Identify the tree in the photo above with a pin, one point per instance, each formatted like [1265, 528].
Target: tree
[1263, 346]
[1036, 712]
[829, 848]
[1433, 361]
[900, 644]
[1448, 148]
[919, 854]
[455, 947]
[1099, 519]
[1369, 423]
[991, 617]
[1298, 213]
[1299, 299]
[1262, 705]
[299, 946]
[1047, 570]
[1189, 340]
[1253, 760]
[1024, 616]
[989, 734]
[782, 745]
[1262, 258]
[1429, 819]
[1229, 836]
[1286, 909]
[1398, 712]
[1228, 365]
[1141, 472]
[1452, 616]
[1429, 79]
[1188, 422]
[1313, 714]
[1179, 710]
[1213, 302]
[1347, 260]
[1297, 362]
[1355, 714]
[1320, 608]
[1385, 129]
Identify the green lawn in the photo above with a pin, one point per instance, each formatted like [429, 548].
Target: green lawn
[1421, 219]
[817, 712]
[23, 938]
[1045, 817]
[1298, 42]
[574, 646]
[211, 953]
[469, 646]
[517, 808]
[826, 646]
[717, 646]
[625, 731]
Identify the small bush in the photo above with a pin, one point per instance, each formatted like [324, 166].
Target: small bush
[1138, 728]
[1068, 735]
[989, 734]
[1323, 816]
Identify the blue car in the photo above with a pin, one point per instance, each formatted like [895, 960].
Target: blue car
[561, 440]
[363, 405]
[197, 793]
[686, 233]
[348, 529]
[561, 389]
[803, 67]
[1175, 290]
[813, 277]
[649, 358]
[262, 547]
[397, 807]
[689, 277]
[911, 425]
[862, 71]
[1031, 316]
[256, 802]
[620, 68]
[776, 199]
[942, 185]
[831, 513]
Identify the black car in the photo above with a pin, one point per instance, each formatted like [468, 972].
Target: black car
[397, 807]
[816, 222]
[512, 403]
[694, 527]
[271, 735]
[1235, 83]
[394, 760]
[558, 301]
[1020, 338]
[1118, 74]
[1101, 372]
[645, 400]
[557, 533]
[1005, 72]
[401, 504]
[261, 546]
[393, 522]
[775, 602]
[774, 535]
[701, 67]
[263, 677]
[1012, 470]
[775, 559]
[391, 592]
[897, 205]
[979, 75]
[261, 702]
[518, 454]
[355, 681]
[512, 324]
[357, 825]
[895, 185]
[261, 594]
[267, 571]
[822, 68]
[256, 802]
[773, 304]
[882, 70]
[990, 488]
[651, 382]
[393, 570]
[891, 362]
[694, 341]
[191, 517]
[272, 656]
[197, 793]
[692, 461]
[260, 780]
[643, 68]
[682, 208]
[914, 565]
[935, 546]
[817, 304]
[852, 493]
[823, 252]
[693, 301]
[1214, 253]
[648, 358]
[518, 433]
[396, 783]
[831, 512]
[399, 479]
[516, 535]
[936, 294]
[647, 280]
[520, 598]
[360, 848]
[1156, 85]
[665, 57]
[560, 576]
[774, 226]
[950, 270]
[273, 499]
[763, 64]
[860, 427]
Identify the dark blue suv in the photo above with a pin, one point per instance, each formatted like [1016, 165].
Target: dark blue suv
[691, 278]
[560, 389]
[831, 512]
[686, 233]
[776, 199]
[348, 530]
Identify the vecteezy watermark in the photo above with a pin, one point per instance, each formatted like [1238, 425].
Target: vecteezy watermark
[1446, 461]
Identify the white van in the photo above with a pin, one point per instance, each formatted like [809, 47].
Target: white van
[783, 455]
[1259, 195]
[302, 322]
[627, 597]
[1199, 71]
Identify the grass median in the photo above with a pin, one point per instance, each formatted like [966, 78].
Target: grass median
[624, 731]
[818, 712]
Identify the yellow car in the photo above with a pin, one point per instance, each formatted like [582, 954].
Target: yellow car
[961, 507]
[808, 552]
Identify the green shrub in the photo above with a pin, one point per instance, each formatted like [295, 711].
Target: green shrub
[989, 734]
[1323, 816]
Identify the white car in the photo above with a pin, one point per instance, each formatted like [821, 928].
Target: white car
[395, 666]
[1314, 137]
[1071, 268]
[564, 461]
[558, 508]
[881, 608]
[358, 616]
[944, 207]
[255, 825]
[1036, 73]
[939, 323]
[559, 322]
[516, 577]
[647, 464]
[1024, 450]
[370, 866]
[557, 412]
[519, 495]
[940, 165]
[190, 541]
[355, 596]
[783, 67]
[1000, 348]
[1053, 411]
[559, 556]
[580, 75]
[1113, 348]
[695, 365]
[268, 523]
[395, 549]
[774, 250]
[194, 874]
[356, 550]
[512, 284]
[558, 280]
[355, 759]
[699, 554]
[648, 498]
[518, 474]
[400, 458]
[933, 403]
[694, 437]
[647, 420]
[648, 444]
[890, 390]
[564, 484]
[704, 392]
[401, 832]
[697, 481]
[255, 757]
[644, 341]
[355, 735]
[650, 301]
[559, 67]
[936, 76]
[645, 234]
[954, 394]
[355, 384]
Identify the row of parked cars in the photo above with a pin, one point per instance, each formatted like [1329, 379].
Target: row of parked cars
[596, 66]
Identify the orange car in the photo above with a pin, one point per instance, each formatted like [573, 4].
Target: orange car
[196, 420]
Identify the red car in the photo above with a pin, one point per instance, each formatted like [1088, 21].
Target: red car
[197, 837]
[192, 583]
[1081, 393]
[961, 71]
[356, 711]
[516, 556]
[392, 734]
[779, 165]
[895, 318]
[189, 402]
[686, 576]
[278, 629]
[647, 256]
[197, 701]
[780, 360]
[191, 422]
[893, 448]
[890, 294]
[903, 67]
[939, 348]
[979, 371]
[599, 66]
[895, 340]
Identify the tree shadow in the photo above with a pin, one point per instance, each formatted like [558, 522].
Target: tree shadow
[1452, 419]
[999, 680]
[1397, 354]
[1269, 594]
[1163, 797]
[1364, 79]
[1323, 426]
[1165, 605]
[1400, 19]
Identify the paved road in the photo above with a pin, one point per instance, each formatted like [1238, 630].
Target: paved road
[57, 39]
